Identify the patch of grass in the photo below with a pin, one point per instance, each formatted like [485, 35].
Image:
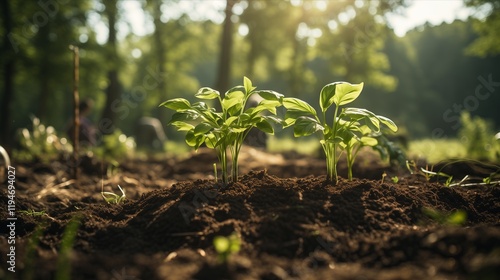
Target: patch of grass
[306, 146]
[436, 150]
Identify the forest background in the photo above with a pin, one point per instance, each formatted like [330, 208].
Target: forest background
[423, 80]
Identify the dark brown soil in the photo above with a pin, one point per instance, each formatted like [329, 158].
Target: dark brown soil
[292, 223]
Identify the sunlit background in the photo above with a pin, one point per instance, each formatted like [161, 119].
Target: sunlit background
[422, 61]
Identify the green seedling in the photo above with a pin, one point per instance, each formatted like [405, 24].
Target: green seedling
[225, 130]
[113, 198]
[68, 239]
[395, 179]
[226, 246]
[29, 271]
[383, 178]
[429, 174]
[32, 213]
[455, 218]
[349, 130]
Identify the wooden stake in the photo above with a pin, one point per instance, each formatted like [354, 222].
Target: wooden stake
[76, 112]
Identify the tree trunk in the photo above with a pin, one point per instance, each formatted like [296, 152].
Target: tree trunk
[160, 54]
[224, 71]
[8, 76]
[114, 87]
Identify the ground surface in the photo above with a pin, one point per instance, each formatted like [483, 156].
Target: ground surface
[292, 223]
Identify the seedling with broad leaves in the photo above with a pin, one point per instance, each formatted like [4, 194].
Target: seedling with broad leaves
[349, 130]
[224, 131]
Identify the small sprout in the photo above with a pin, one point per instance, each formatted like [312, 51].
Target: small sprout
[487, 180]
[215, 172]
[32, 213]
[429, 174]
[226, 246]
[395, 179]
[455, 218]
[110, 197]
[383, 178]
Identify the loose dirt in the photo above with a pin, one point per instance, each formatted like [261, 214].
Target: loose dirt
[292, 222]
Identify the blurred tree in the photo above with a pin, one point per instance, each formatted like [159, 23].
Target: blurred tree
[226, 45]
[114, 88]
[154, 7]
[436, 80]
[488, 29]
[8, 62]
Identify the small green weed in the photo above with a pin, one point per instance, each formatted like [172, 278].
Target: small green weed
[32, 213]
[226, 246]
[68, 239]
[113, 198]
[455, 218]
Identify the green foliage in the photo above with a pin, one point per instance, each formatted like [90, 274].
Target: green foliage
[66, 247]
[226, 129]
[41, 142]
[478, 137]
[226, 246]
[488, 42]
[350, 129]
[113, 198]
[116, 146]
[435, 150]
[32, 213]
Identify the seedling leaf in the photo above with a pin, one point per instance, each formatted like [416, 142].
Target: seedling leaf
[291, 103]
[207, 93]
[346, 93]
[305, 126]
[177, 104]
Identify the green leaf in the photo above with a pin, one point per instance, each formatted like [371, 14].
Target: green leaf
[291, 116]
[271, 95]
[388, 122]
[194, 140]
[346, 93]
[273, 119]
[265, 126]
[359, 114]
[176, 104]
[207, 93]
[268, 105]
[202, 128]
[221, 244]
[183, 116]
[230, 120]
[305, 126]
[326, 96]
[182, 126]
[233, 99]
[296, 104]
[238, 129]
[248, 85]
[368, 141]
[210, 141]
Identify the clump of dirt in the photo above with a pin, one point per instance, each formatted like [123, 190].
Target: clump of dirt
[291, 227]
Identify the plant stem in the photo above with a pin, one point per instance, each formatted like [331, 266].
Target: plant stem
[334, 149]
[350, 162]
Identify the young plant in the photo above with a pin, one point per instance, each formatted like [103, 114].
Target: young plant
[225, 246]
[349, 129]
[455, 218]
[110, 197]
[225, 130]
